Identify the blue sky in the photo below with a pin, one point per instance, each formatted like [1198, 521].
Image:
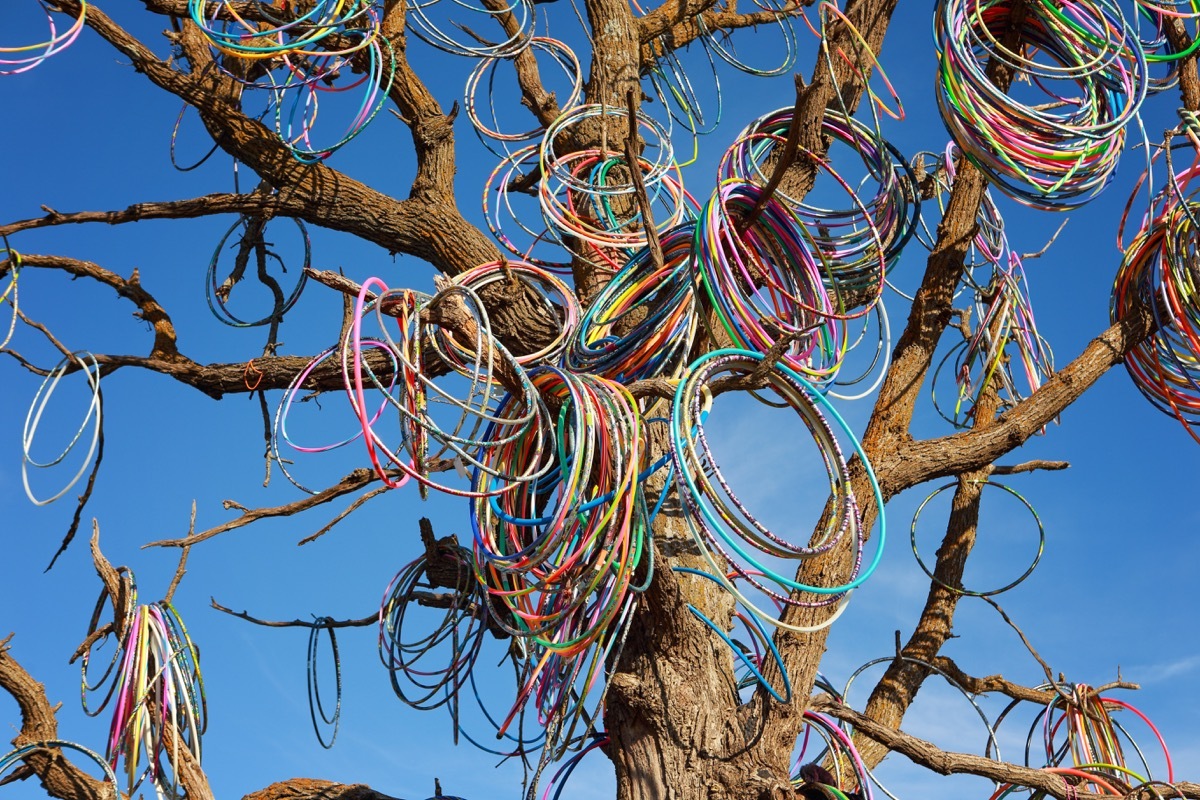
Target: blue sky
[83, 131]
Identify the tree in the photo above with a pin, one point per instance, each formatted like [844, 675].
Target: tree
[680, 718]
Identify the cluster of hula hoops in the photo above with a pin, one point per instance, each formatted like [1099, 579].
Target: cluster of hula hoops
[1158, 276]
[562, 488]
[298, 56]
[1095, 62]
[1094, 740]
[151, 683]
[553, 447]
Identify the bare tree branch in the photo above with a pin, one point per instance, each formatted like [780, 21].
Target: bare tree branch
[930, 756]
[181, 570]
[639, 184]
[786, 157]
[82, 500]
[668, 16]
[356, 480]
[886, 441]
[256, 202]
[324, 622]
[678, 23]
[350, 509]
[542, 104]
[311, 789]
[1024, 639]
[1030, 466]
[215, 380]
[997, 684]
[165, 346]
[950, 455]
[38, 723]
[427, 599]
[897, 689]
[426, 225]
[1189, 81]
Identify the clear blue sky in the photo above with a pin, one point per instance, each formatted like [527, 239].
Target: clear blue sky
[84, 131]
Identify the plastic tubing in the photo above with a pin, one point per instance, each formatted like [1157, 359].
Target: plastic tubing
[643, 322]
[478, 428]
[769, 281]
[495, 212]
[1043, 157]
[18, 754]
[993, 743]
[657, 154]
[836, 741]
[560, 54]
[436, 663]
[521, 12]
[296, 132]
[722, 526]
[563, 570]
[558, 781]
[283, 410]
[1092, 733]
[86, 685]
[853, 235]
[312, 49]
[728, 56]
[315, 706]
[761, 636]
[550, 295]
[299, 35]
[1005, 322]
[1165, 366]
[673, 86]
[989, 245]
[33, 419]
[13, 60]
[9, 295]
[588, 222]
[881, 359]
[562, 688]
[159, 661]
[214, 291]
[958, 589]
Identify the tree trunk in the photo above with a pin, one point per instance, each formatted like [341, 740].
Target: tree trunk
[673, 714]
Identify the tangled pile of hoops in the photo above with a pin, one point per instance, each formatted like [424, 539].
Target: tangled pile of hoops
[555, 447]
[154, 684]
[563, 490]
[296, 58]
[1157, 277]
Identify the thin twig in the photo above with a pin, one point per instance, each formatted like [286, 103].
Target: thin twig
[350, 509]
[25, 363]
[426, 599]
[181, 570]
[266, 417]
[356, 480]
[1042, 252]
[62, 348]
[1030, 466]
[1028, 645]
[324, 622]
